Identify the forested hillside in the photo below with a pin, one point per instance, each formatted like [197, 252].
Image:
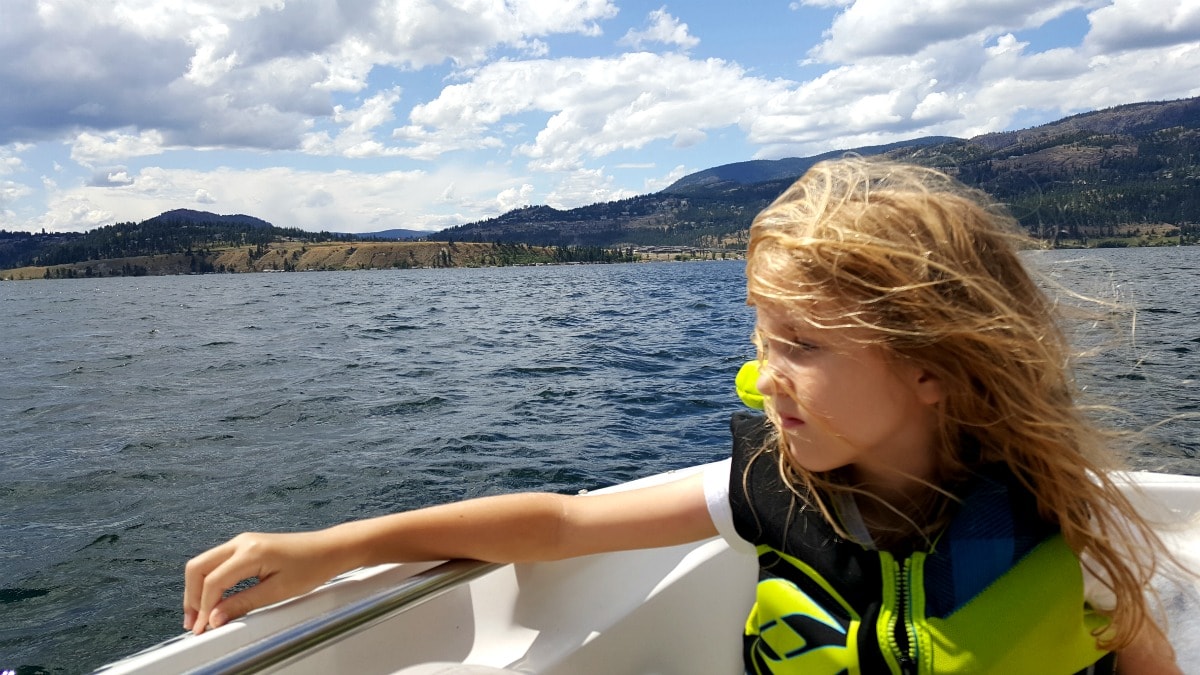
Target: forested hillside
[1133, 170]
[179, 231]
[1096, 174]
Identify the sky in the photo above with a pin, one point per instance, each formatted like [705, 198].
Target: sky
[367, 115]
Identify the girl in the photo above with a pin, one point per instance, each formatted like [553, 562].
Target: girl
[923, 495]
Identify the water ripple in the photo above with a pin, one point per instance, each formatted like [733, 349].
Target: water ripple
[155, 417]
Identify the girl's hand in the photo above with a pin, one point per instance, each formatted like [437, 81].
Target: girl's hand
[285, 565]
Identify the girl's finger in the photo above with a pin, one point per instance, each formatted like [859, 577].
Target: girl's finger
[197, 569]
[221, 579]
[239, 604]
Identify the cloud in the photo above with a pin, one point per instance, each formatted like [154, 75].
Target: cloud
[662, 28]
[595, 106]
[11, 191]
[115, 177]
[91, 149]
[59, 73]
[71, 213]
[825, 4]
[499, 114]
[661, 182]
[1140, 24]
[1007, 60]
[312, 200]
[240, 74]
[967, 76]
[586, 186]
[514, 198]
[689, 137]
[872, 28]
[10, 163]
[426, 144]
[319, 198]
[356, 138]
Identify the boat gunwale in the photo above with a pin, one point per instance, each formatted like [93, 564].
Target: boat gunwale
[344, 621]
[320, 631]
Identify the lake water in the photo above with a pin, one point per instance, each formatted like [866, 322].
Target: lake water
[143, 420]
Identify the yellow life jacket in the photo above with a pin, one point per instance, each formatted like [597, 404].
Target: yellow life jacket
[1000, 591]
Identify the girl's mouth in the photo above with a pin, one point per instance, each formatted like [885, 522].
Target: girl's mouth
[788, 423]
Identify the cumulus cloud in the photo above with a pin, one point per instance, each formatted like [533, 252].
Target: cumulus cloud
[418, 142]
[318, 198]
[660, 182]
[870, 28]
[357, 136]
[71, 213]
[689, 137]
[586, 186]
[1139, 24]
[64, 66]
[11, 191]
[240, 74]
[794, 6]
[662, 28]
[91, 149]
[596, 106]
[115, 177]
[514, 197]
[499, 115]
[967, 74]
[313, 200]
[10, 163]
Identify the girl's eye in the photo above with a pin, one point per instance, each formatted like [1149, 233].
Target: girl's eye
[799, 347]
[791, 347]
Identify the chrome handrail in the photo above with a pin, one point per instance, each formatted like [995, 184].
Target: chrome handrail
[346, 620]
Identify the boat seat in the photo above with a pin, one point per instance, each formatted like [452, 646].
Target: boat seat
[450, 668]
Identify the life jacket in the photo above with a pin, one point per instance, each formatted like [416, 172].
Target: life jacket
[999, 592]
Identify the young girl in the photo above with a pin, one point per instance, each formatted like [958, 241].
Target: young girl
[923, 495]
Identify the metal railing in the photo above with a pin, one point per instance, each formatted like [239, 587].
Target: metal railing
[347, 620]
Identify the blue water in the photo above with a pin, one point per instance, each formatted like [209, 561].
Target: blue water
[145, 419]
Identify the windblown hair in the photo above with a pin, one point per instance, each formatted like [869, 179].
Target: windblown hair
[926, 268]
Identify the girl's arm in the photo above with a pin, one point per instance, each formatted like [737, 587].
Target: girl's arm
[506, 528]
[1148, 654]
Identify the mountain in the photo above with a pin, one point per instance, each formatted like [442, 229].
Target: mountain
[1092, 174]
[172, 232]
[206, 218]
[395, 234]
[763, 170]
[1120, 171]
[1130, 121]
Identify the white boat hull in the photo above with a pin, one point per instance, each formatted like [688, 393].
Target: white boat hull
[671, 610]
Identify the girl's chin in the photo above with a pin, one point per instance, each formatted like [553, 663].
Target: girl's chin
[809, 458]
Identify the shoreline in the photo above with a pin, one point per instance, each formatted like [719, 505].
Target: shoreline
[358, 256]
[290, 256]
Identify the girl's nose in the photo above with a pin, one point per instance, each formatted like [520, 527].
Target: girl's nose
[766, 379]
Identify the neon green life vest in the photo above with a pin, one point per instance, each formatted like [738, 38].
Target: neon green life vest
[1001, 592]
[996, 632]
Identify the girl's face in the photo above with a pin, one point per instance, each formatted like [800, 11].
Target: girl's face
[839, 403]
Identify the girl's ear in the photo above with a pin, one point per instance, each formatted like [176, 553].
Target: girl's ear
[927, 386]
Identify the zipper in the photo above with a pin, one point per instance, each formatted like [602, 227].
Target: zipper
[903, 637]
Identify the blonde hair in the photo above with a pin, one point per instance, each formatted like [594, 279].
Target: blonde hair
[919, 264]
